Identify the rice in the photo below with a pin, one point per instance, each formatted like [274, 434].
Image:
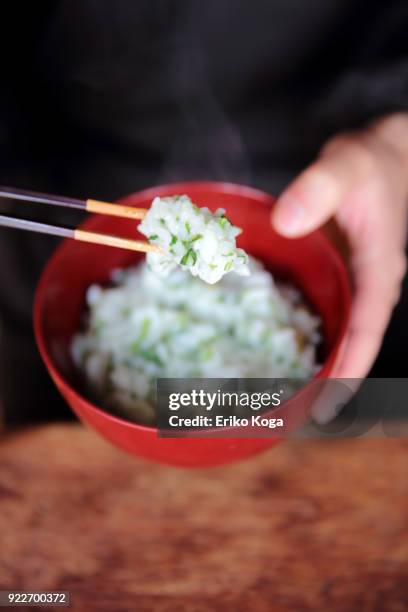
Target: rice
[145, 327]
[193, 238]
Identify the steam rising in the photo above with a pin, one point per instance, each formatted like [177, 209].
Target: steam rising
[207, 144]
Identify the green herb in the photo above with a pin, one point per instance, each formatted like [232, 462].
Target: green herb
[207, 354]
[190, 253]
[183, 319]
[146, 354]
[144, 330]
[213, 266]
[99, 326]
[188, 227]
[153, 237]
[152, 356]
[134, 348]
[184, 259]
[173, 239]
[230, 254]
[163, 221]
[197, 237]
[222, 222]
[228, 266]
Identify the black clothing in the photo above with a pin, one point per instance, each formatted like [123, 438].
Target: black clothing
[100, 98]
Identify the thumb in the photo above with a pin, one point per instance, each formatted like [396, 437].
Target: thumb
[315, 195]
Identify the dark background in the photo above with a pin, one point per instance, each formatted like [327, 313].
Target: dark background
[101, 98]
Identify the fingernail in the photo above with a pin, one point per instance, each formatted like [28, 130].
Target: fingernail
[290, 216]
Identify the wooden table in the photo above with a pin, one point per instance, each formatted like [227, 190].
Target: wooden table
[308, 526]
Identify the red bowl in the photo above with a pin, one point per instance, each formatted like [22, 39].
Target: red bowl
[311, 263]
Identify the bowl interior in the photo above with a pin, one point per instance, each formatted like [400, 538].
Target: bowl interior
[311, 263]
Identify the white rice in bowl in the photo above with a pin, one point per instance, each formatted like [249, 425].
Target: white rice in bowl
[145, 327]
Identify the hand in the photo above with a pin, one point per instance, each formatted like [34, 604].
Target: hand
[361, 179]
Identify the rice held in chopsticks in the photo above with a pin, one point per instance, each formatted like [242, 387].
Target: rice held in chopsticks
[193, 238]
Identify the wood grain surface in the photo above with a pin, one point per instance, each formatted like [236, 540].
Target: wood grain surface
[308, 526]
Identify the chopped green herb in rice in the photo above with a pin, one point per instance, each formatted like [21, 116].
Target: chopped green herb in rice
[145, 327]
[176, 224]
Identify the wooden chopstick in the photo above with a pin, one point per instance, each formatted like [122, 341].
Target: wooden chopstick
[79, 234]
[94, 206]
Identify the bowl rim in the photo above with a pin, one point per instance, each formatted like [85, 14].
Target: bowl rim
[150, 192]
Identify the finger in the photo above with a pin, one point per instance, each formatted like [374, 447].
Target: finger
[371, 311]
[362, 348]
[333, 397]
[314, 196]
[362, 342]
